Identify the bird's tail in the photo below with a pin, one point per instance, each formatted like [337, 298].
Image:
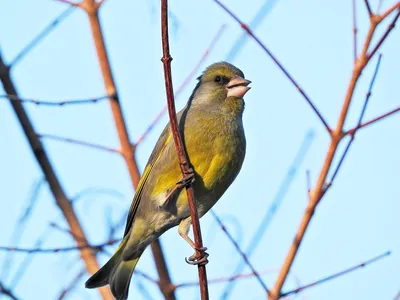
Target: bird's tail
[116, 272]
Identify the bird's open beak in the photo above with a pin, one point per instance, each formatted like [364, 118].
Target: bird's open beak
[237, 87]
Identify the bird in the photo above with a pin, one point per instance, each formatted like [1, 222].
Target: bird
[212, 133]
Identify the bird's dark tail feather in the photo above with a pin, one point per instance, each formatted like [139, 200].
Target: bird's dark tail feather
[116, 272]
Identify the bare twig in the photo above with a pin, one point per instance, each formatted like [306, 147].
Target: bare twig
[368, 8]
[336, 275]
[185, 82]
[16, 98]
[61, 199]
[5, 291]
[44, 33]
[222, 279]
[60, 249]
[77, 142]
[182, 155]
[354, 8]
[71, 285]
[22, 221]
[385, 35]
[373, 121]
[390, 10]
[242, 254]
[280, 66]
[91, 7]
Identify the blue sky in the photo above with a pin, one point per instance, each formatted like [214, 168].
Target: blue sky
[356, 220]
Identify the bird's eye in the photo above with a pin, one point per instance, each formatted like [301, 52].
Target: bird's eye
[218, 79]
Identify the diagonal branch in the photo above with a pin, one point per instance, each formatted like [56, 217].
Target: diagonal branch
[244, 256]
[280, 66]
[336, 275]
[77, 142]
[61, 199]
[182, 155]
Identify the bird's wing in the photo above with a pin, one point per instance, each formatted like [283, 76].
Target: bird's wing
[155, 155]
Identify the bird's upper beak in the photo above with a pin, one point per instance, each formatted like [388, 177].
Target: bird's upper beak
[237, 87]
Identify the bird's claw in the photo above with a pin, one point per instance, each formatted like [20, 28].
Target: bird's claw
[198, 258]
[187, 180]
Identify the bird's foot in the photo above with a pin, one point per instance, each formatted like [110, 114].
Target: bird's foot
[187, 179]
[199, 257]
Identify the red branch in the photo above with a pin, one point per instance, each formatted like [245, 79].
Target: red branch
[182, 155]
[280, 66]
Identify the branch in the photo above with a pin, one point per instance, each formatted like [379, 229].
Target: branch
[352, 136]
[385, 35]
[336, 275]
[77, 142]
[60, 249]
[368, 8]
[91, 8]
[44, 33]
[16, 98]
[280, 66]
[60, 197]
[183, 84]
[7, 292]
[354, 9]
[182, 155]
[373, 121]
[242, 254]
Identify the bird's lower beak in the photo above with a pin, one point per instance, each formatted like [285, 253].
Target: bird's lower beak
[237, 87]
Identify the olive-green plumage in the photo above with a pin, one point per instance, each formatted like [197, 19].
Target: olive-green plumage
[213, 135]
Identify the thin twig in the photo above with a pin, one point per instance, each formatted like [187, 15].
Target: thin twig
[368, 8]
[71, 285]
[360, 118]
[385, 35]
[182, 155]
[60, 249]
[336, 275]
[77, 142]
[354, 8]
[21, 223]
[5, 291]
[280, 66]
[16, 98]
[242, 254]
[222, 279]
[44, 33]
[185, 82]
[373, 121]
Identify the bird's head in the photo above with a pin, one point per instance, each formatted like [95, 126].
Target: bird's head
[221, 83]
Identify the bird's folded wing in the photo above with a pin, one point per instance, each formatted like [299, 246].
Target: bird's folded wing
[155, 155]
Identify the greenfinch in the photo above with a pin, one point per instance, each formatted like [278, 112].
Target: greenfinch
[213, 135]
